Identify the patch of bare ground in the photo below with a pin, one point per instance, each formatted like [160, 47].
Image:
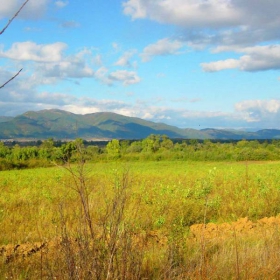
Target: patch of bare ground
[10, 252]
[210, 231]
[242, 226]
[237, 250]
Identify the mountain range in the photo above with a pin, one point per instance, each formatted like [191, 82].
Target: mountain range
[63, 125]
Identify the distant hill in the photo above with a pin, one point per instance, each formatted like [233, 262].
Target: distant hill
[60, 124]
[5, 119]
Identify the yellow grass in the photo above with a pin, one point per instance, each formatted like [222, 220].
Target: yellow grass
[145, 229]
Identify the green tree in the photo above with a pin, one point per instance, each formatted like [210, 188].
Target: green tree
[4, 150]
[151, 143]
[166, 143]
[46, 150]
[135, 147]
[67, 150]
[113, 149]
[47, 144]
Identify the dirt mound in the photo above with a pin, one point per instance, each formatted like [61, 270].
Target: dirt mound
[17, 252]
[242, 226]
[210, 231]
[10, 252]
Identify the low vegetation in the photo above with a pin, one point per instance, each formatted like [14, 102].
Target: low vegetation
[155, 148]
[111, 218]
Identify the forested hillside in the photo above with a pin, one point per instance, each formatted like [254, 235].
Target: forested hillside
[61, 125]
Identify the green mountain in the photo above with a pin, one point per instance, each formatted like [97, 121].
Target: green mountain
[60, 124]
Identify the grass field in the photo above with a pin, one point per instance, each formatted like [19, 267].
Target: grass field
[141, 214]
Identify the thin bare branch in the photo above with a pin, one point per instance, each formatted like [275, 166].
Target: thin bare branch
[11, 78]
[3, 30]
[16, 14]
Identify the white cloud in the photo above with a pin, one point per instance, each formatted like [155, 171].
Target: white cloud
[160, 48]
[21, 95]
[258, 58]
[70, 24]
[214, 14]
[71, 67]
[262, 111]
[49, 61]
[97, 60]
[186, 13]
[33, 52]
[23, 90]
[126, 77]
[32, 10]
[124, 60]
[51, 64]
[109, 78]
[91, 105]
[220, 65]
[102, 75]
[224, 25]
[61, 4]
[269, 106]
[135, 9]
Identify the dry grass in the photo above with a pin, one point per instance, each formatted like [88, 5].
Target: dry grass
[141, 224]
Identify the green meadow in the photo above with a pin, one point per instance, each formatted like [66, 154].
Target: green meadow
[135, 218]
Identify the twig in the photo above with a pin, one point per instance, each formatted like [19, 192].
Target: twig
[3, 30]
[16, 14]
[11, 78]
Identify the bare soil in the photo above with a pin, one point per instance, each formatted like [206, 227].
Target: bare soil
[210, 231]
[242, 226]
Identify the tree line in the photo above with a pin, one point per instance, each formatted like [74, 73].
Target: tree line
[154, 147]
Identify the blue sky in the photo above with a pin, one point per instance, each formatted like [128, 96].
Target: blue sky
[188, 63]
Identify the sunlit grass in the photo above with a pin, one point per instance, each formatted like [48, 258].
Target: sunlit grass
[164, 197]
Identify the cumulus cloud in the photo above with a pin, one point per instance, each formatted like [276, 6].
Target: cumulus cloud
[124, 60]
[126, 77]
[108, 78]
[97, 60]
[21, 95]
[160, 48]
[186, 13]
[34, 52]
[258, 58]
[102, 75]
[224, 25]
[50, 64]
[71, 67]
[215, 14]
[260, 110]
[220, 65]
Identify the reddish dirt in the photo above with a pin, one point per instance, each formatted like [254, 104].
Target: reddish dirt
[11, 252]
[208, 231]
[242, 226]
